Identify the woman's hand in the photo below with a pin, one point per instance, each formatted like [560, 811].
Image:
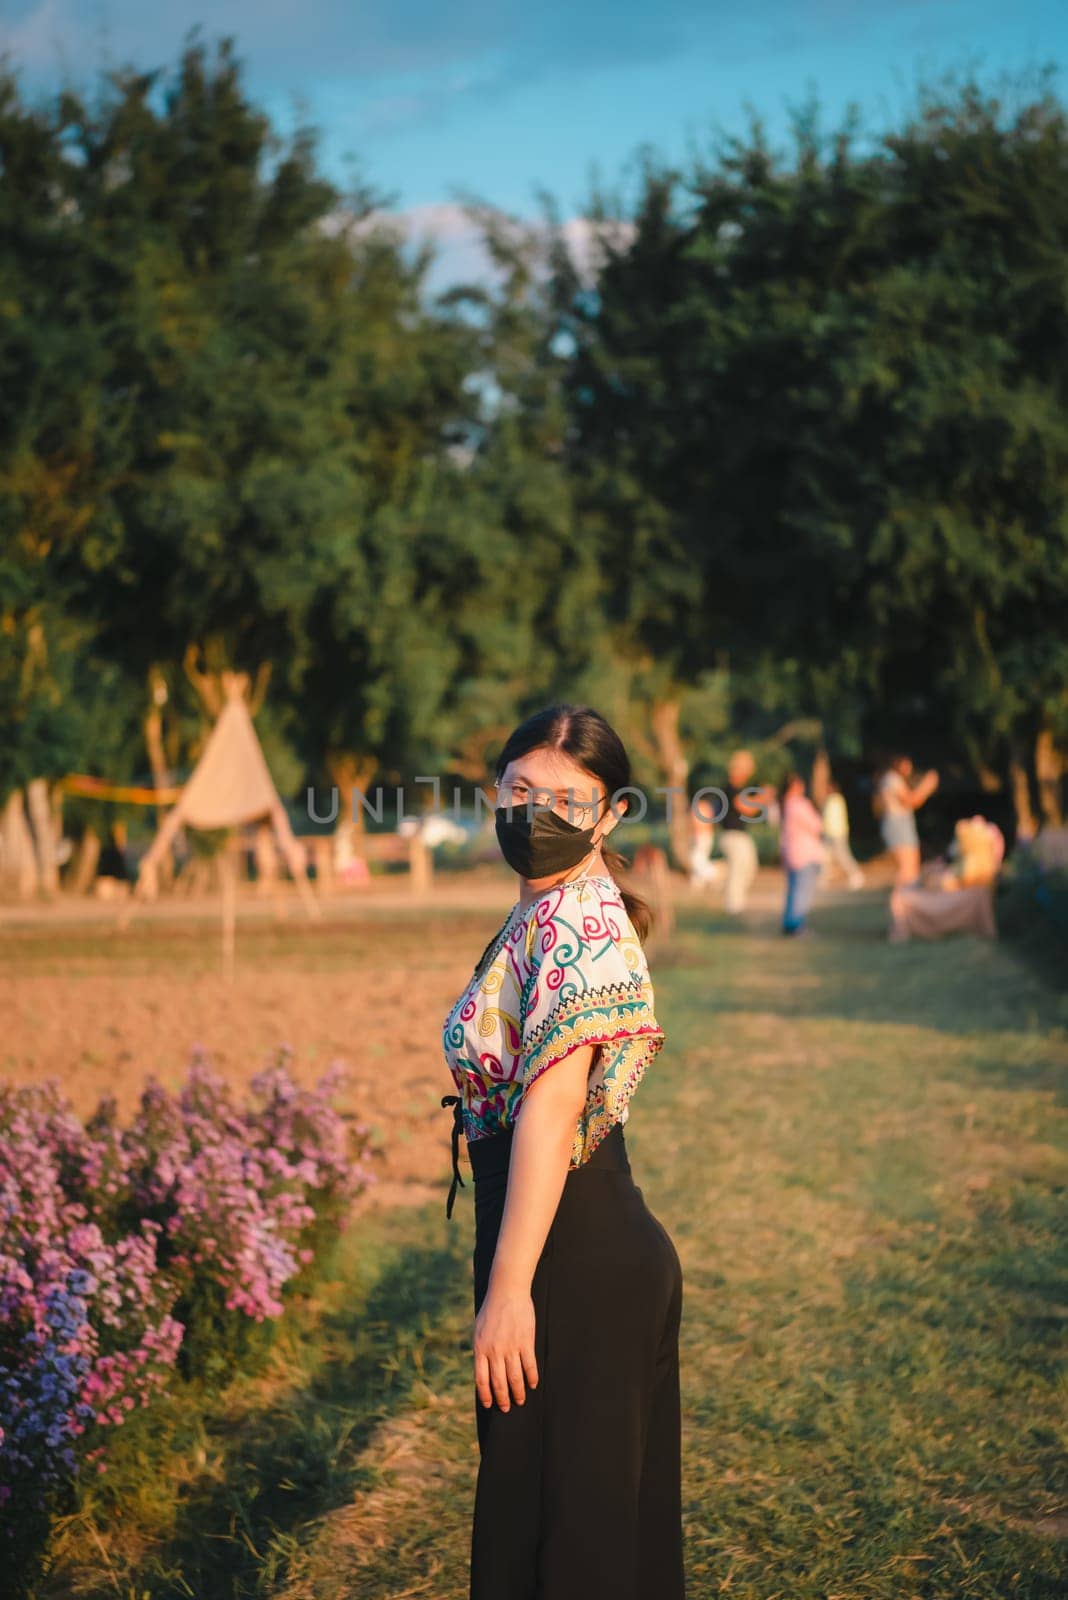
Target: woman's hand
[504, 1348]
[541, 1150]
[923, 790]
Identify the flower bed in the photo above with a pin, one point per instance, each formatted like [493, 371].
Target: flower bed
[126, 1251]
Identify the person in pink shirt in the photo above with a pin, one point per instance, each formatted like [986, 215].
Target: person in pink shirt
[801, 851]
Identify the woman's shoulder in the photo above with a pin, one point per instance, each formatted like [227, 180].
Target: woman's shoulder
[583, 922]
[591, 900]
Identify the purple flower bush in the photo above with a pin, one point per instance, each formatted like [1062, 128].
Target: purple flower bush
[115, 1243]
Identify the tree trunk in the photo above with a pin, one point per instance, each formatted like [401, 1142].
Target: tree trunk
[350, 773]
[676, 769]
[56, 797]
[206, 682]
[16, 848]
[157, 759]
[44, 835]
[1026, 825]
[266, 853]
[1049, 770]
[470, 758]
[83, 867]
[153, 728]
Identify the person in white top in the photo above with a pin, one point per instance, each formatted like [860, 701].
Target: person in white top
[701, 869]
[897, 801]
[836, 837]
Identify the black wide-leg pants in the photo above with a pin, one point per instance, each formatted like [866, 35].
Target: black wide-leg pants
[578, 1492]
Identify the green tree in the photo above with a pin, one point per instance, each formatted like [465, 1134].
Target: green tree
[828, 383]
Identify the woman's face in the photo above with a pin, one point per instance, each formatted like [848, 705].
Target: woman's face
[545, 777]
[740, 768]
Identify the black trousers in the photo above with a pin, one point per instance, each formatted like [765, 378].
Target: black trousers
[578, 1492]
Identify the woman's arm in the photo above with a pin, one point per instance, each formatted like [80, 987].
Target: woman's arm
[541, 1153]
[813, 822]
[926, 787]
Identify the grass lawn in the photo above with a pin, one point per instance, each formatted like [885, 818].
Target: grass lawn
[862, 1153]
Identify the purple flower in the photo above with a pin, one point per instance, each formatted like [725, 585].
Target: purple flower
[103, 1230]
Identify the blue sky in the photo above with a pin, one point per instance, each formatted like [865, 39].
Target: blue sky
[497, 98]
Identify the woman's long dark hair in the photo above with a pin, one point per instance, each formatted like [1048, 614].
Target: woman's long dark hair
[593, 744]
[784, 787]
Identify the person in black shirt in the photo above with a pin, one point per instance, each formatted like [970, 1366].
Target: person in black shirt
[744, 802]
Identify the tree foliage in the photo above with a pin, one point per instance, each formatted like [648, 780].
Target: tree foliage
[826, 392]
[794, 448]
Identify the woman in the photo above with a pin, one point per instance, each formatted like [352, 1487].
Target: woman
[836, 838]
[801, 848]
[898, 801]
[578, 1289]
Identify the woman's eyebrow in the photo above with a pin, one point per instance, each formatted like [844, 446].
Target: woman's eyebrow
[522, 778]
[562, 794]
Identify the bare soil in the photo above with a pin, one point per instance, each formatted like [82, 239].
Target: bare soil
[103, 996]
[103, 1007]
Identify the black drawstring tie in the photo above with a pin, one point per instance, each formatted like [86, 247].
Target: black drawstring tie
[457, 1128]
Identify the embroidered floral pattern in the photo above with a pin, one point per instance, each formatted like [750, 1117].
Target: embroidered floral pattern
[565, 971]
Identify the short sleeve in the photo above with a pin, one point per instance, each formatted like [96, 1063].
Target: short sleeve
[589, 984]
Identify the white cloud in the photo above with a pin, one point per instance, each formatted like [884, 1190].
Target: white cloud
[38, 38]
[460, 254]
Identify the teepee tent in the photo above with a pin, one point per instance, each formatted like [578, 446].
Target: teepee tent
[231, 785]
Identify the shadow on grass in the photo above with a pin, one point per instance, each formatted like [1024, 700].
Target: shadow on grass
[966, 1332]
[278, 1469]
[899, 1440]
[848, 970]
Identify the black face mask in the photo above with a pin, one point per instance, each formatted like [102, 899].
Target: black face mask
[541, 844]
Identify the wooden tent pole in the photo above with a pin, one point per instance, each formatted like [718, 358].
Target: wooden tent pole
[295, 859]
[229, 897]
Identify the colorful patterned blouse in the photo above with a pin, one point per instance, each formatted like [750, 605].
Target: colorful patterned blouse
[565, 970]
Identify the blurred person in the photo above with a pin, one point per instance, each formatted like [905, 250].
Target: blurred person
[836, 838]
[349, 867]
[113, 868]
[577, 1286]
[956, 892]
[702, 870]
[802, 851]
[897, 801]
[973, 859]
[977, 854]
[651, 871]
[736, 840]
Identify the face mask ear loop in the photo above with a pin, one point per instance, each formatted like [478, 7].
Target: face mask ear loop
[597, 843]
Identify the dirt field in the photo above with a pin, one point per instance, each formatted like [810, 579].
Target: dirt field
[101, 997]
[102, 1003]
[101, 1008]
